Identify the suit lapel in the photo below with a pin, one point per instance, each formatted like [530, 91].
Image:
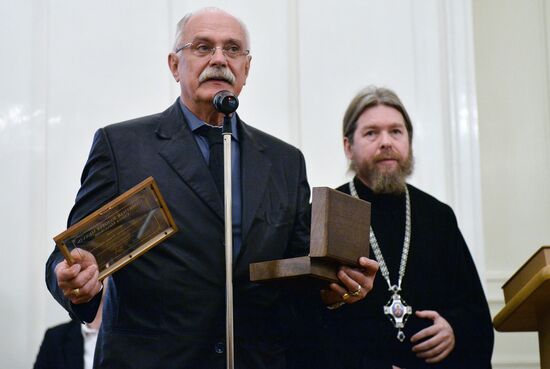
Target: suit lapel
[255, 167]
[184, 157]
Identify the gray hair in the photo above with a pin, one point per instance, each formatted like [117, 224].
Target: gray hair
[367, 98]
[183, 21]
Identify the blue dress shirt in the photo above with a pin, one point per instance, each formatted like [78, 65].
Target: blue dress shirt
[236, 211]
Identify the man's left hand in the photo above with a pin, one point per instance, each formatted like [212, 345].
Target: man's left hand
[355, 284]
[440, 338]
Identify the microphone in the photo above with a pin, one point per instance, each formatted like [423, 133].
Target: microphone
[225, 102]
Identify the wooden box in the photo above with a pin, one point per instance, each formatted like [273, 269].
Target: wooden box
[339, 235]
[340, 226]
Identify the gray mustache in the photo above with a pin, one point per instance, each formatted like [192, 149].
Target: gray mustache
[217, 73]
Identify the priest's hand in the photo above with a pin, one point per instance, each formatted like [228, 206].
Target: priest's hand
[355, 283]
[439, 338]
[79, 281]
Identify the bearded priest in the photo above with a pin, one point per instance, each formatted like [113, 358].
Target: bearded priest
[427, 308]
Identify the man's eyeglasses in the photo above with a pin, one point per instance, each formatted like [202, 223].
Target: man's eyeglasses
[202, 49]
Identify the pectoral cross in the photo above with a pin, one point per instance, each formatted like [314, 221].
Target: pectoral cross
[398, 312]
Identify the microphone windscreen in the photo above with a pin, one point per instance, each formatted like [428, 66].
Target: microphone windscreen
[225, 102]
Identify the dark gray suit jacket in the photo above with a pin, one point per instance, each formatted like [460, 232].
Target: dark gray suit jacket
[167, 308]
[62, 348]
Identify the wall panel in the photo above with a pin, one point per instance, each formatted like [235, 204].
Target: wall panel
[512, 72]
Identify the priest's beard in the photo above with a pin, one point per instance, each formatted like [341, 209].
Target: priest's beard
[387, 182]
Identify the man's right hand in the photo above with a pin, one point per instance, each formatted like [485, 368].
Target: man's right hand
[79, 281]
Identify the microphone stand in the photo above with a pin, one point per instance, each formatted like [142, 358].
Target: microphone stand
[228, 207]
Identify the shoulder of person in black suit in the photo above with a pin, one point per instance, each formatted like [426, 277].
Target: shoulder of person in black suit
[62, 347]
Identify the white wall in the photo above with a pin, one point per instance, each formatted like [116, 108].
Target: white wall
[70, 67]
[513, 92]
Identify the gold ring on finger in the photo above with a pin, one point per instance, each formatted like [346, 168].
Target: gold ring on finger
[345, 296]
[76, 292]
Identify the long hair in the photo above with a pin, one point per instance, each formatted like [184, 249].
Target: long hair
[368, 97]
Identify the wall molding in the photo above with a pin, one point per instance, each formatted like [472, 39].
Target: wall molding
[463, 123]
[528, 363]
[494, 281]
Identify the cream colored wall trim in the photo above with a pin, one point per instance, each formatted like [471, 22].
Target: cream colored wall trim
[495, 279]
[515, 363]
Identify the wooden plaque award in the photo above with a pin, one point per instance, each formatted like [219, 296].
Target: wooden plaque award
[340, 228]
[121, 230]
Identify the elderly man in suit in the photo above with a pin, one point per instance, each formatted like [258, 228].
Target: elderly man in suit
[167, 308]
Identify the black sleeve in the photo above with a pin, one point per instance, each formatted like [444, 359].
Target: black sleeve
[467, 311]
[299, 237]
[304, 348]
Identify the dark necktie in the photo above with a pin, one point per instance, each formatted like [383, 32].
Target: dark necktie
[215, 162]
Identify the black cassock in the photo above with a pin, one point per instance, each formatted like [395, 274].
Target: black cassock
[440, 275]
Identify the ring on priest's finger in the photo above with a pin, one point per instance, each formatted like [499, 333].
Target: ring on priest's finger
[357, 292]
[345, 296]
[76, 292]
